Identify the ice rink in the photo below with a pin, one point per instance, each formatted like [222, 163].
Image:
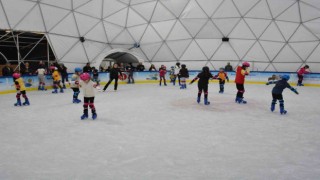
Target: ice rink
[161, 133]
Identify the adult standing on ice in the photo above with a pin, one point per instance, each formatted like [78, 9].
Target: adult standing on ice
[176, 71]
[241, 73]
[114, 72]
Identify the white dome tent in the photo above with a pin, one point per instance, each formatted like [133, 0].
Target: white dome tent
[273, 35]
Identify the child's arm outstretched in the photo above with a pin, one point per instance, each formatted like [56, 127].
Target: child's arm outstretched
[292, 89]
[194, 79]
[271, 82]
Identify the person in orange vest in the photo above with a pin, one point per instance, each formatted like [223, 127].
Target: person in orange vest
[241, 73]
[222, 77]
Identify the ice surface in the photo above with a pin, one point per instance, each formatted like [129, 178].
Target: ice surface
[152, 132]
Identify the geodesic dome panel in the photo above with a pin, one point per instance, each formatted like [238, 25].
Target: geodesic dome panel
[274, 35]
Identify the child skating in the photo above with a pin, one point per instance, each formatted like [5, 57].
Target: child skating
[302, 71]
[277, 92]
[241, 73]
[162, 74]
[21, 90]
[88, 88]
[172, 76]
[203, 82]
[222, 77]
[41, 71]
[56, 81]
[95, 77]
[75, 85]
[184, 74]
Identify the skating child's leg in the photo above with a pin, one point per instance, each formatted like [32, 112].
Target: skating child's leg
[281, 104]
[18, 103]
[274, 102]
[85, 108]
[300, 79]
[221, 83]
[183, 83]
[24, 95]
[205, 89]
[92, 107]
[239, 98]
[55, 87]
[200, 88]
[59, 85]
[76, 93]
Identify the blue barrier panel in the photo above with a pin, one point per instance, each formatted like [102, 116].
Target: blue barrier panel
[31, 82]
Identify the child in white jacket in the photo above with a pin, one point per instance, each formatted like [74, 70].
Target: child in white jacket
[88, 88]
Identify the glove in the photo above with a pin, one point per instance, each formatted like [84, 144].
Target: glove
[267, 83]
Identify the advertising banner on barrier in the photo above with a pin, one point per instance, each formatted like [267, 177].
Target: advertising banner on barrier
[32, 82]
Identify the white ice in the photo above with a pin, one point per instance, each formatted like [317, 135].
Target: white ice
[151, 132]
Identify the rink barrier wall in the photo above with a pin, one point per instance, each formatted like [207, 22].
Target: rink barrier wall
[152, 77]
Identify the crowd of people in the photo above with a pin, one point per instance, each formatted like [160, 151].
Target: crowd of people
[87, 78]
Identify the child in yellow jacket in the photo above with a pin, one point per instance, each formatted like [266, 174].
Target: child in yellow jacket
[222, 77]
[56, 81]
[21, 89]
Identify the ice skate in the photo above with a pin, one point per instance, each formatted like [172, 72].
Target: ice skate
[26, 103]
[240, 101]
[94, 116]
[84, 116]
[206, 102]
[198, 99]
[272, 107]
[18, 103]
[282, 110]
[76, 101]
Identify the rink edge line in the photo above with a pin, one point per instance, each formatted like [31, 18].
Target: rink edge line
[156, 82]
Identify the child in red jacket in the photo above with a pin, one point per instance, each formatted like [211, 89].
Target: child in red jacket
[241, 72]
[162, 74]
[301, 72]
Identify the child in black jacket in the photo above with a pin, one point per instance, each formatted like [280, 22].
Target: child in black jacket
[277, 92]
[203, 82]
[184, 74]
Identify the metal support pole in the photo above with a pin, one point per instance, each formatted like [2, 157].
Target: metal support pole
[48, 53]
[18, 49]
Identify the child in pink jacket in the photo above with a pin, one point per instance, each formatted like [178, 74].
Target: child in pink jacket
[301, 72]
[162, 74]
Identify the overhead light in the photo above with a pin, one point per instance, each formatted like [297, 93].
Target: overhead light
[38, 32]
